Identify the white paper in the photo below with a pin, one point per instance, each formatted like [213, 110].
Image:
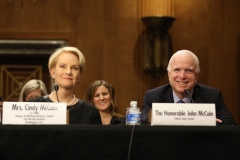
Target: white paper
[34, 113]
[186, 114]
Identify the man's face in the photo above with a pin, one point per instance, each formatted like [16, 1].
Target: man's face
[182, 74]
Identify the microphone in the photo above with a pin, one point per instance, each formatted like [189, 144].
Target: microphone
[56, 87]
[186, 91]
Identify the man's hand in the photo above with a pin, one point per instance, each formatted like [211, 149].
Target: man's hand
[218, 120]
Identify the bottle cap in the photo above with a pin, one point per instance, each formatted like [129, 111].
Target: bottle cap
[133, 103]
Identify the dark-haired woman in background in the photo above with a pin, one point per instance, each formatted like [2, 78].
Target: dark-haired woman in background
[102, 95]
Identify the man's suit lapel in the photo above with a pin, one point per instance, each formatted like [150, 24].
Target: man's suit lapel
[168, 96]
[197, 96]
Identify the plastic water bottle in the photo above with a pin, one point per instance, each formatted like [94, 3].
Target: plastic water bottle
[133, 114]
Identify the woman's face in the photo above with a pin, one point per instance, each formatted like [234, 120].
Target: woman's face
[34, 94]
[102, 99]
[67, 71]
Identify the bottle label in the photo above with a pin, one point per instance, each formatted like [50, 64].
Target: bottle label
[133, 118]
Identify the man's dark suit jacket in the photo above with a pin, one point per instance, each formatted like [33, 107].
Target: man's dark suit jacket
[201, 94]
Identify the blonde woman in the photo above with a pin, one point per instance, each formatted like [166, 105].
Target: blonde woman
[66, 67]
[32, 89]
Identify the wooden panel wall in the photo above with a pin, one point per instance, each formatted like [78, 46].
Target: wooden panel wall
[108, 32]
[157, 7]
[210, 29]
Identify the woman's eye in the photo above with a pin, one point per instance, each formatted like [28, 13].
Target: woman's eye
[28, 98]
[75, 68]
[105, 94]
[61, 66]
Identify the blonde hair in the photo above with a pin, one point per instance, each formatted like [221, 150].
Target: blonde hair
[30, 86]
[54, 57]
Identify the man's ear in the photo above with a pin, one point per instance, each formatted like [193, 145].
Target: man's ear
[196, 76]
[168, 72]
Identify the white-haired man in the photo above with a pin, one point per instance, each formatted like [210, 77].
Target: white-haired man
[183, 71]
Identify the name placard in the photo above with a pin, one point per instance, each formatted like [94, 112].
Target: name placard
[37, 113]
[185, 114]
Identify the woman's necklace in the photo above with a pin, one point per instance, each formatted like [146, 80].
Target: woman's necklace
[74, 97]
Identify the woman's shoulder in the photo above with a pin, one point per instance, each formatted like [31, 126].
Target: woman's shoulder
[88, 106]
[118, 120]
[84, 105]
[39, 99]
